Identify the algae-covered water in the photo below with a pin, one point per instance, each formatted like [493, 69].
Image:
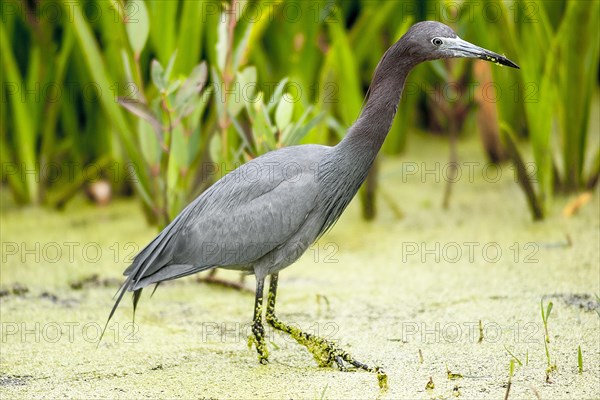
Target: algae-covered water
[408, 292]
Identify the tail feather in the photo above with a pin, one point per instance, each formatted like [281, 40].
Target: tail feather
[167, 273]
[120, 293]
[153, 258]
[148, 263]
[155, 249]
[154, 290]
[136, 298]
[134, 273]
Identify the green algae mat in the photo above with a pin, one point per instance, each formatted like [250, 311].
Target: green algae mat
[444, 300]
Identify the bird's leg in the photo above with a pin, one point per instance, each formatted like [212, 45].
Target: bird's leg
[257, 326]
[324, 351]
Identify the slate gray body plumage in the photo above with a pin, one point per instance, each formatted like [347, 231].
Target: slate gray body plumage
[263, 216]
[249, 220]
[259, 218]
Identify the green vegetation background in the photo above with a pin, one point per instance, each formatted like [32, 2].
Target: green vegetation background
[146, 95]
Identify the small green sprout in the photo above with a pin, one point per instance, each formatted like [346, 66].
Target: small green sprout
[551, 367]
[511, 370]
[545, 316]
[323, 391]
[513, 356]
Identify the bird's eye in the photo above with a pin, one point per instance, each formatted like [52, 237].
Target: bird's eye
[437, 41]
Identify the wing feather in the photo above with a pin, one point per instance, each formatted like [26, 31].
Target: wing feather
[239, 219]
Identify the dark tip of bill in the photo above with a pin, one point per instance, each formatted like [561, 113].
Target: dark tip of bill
[507, 62]
[498, 59]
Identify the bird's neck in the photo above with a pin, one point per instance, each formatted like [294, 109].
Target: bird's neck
[349, 162]
[366, 136]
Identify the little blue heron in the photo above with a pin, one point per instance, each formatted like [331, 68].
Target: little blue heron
[261, 217]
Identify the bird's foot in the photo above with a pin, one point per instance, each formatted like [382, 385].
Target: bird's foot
[258, 339]
[326, 352]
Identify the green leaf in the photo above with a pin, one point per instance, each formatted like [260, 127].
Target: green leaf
[247, 79]
[25, 137]
[178, 165]
[222, 43]
[242, 46]
[215, 148]
[513, 356]
[283, 114]
[179, 147]
[336, 126]
[173, 86]
[190, 37]
[197, 142]
[219, 97]
[342, 63]
[241, 133]
[149, 143]
[142, 111]
[164, 23]
[262, 130]
[439, 69]
[196, 107]
[127, 66]
[157, 73]
[169, 70]
[244, 88]
[277, 93]
[366, 31]
[138, 26]
[299, 131]
[549, 310]
[190, 87]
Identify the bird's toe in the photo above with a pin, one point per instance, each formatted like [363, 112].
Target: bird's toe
[340, 364]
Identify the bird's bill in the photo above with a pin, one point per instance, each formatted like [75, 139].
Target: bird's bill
[462, 48]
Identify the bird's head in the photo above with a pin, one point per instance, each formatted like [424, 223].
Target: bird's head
[430, 40]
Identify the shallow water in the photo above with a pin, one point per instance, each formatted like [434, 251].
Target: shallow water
[389, 292]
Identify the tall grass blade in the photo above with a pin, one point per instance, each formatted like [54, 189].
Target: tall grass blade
[97, 69]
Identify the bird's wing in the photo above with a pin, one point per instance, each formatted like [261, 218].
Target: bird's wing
[239, 219]
[229, 235]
